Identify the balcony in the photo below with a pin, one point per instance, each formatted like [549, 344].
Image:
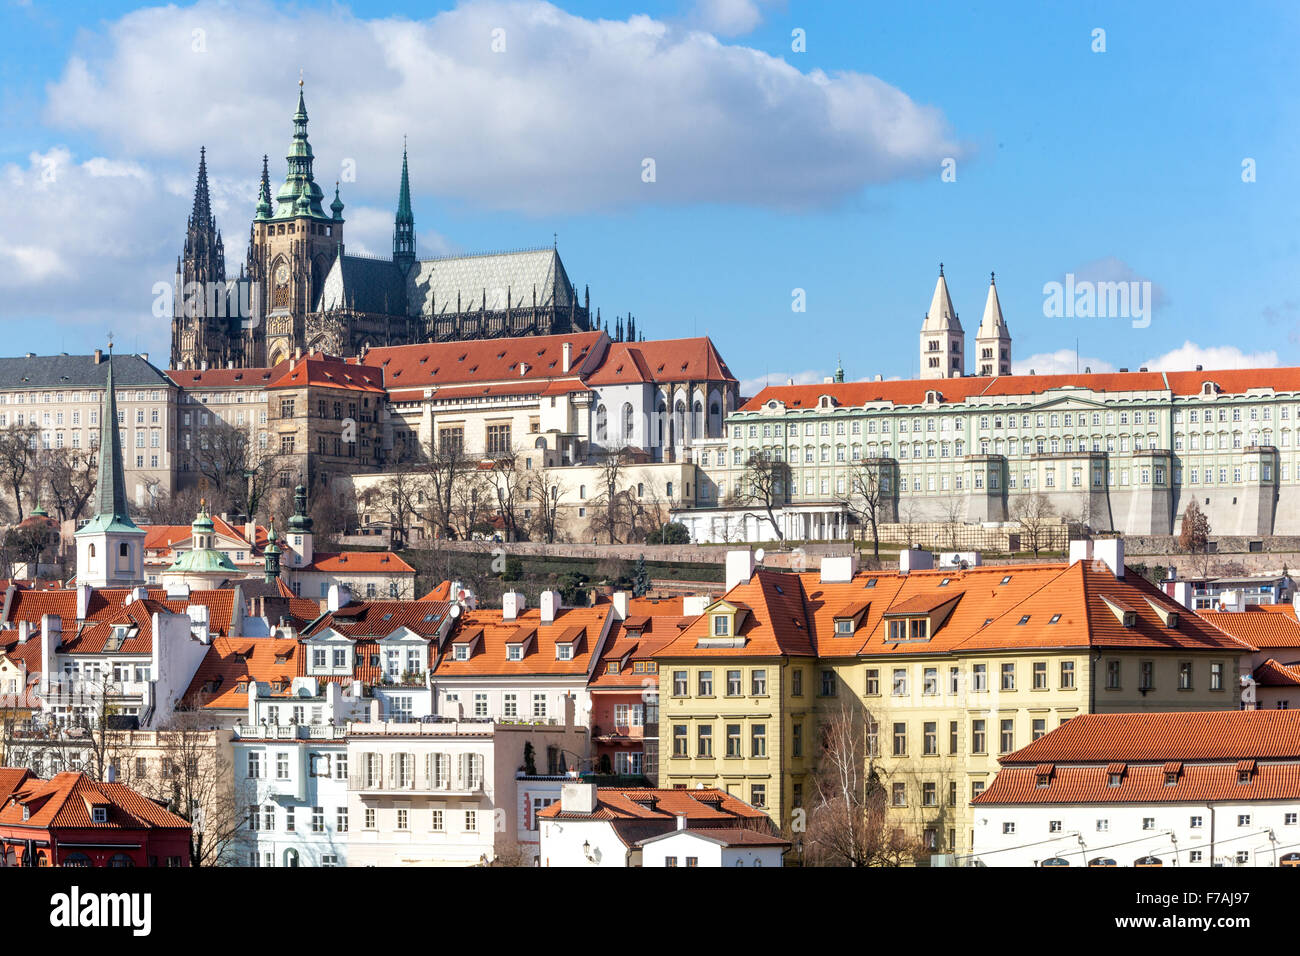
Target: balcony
[418, 783]
[290, 731]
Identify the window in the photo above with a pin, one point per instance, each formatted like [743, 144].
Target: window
[704, 740]
[900, 739]
[758, 795]
[978, 737]
[706, 684]
[758, 682]
[930, 738]
[929, 795]
[796, 683]
[873, 682]
[733, 741]
[1103, 826]
[1040, 727]
[1067, 675]
[680, 688]
[1243, 819]
[1184, 675]
[952, 737]
[1054, 826]
[980, 678]
[1008, 827]
[1008, 676]
[828, 683]
[1007, 737]
[471, 821]
[900, 682]
[1040, 675]
[1148, 677]
[498, 439]
[1216, 675]
[758, 740]
[1112, 674]
[679, 740]
[733, 683]
[898, 795]
[1148, 823]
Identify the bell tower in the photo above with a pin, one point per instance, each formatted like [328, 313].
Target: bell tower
[200, 323]
[943, 343]
[993, 340]
[292, 247]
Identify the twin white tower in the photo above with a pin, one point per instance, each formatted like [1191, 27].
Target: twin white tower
[943, 342]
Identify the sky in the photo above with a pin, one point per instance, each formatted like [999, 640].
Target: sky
[782, 175]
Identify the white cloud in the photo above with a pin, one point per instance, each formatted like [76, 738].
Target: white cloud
[562, 119]
[752, 386]
[1060, 362]
[729, 17]
[1189, 355]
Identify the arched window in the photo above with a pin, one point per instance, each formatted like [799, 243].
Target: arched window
[120, 861]
[640, 489]
[291, 857]
[627, 422]
[600, 424]
[76, 859]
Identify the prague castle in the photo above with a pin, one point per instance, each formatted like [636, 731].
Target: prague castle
[299, 291]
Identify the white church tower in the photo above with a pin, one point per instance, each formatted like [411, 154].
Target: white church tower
[993, 340]
[110, 548]
[943, 343]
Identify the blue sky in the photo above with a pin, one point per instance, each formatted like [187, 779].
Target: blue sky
[775, 170]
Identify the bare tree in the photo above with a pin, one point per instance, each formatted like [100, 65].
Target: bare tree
[545, 489]
[1194, 534]
[609, 507]
[870, 499]
[17, 457]
[1035, 516]
[238, 469]
[68, 477]
[404, 493]
[447, 471]
[178, 508]
[848, 824]
[510, 488]
[765, 484]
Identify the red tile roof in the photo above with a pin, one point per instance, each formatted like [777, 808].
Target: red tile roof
[662, 360]
[775, 621]
[1157, 737]
[362, 619]
[584, 626]
[326, 372]
[225, 377]
[1257, 626]
[912, 391]
[706, 806]
[1196, 783]
[485, 361]
[1272, 674]
[358, 562]
[66, 799]
[230, 661]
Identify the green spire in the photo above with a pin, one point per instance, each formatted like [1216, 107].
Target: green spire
[839, 370]
[300, 195]
[110, 490]
[336, 206]
[404, 225]
[272, 553]
[300, 521]
[264, 193]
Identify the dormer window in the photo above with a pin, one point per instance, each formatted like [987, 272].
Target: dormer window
[99, 815]
[909, 629]
[844, 626]
[721, 625]
[1043, 780]
[564, 652]
[1114, 779]
[27, 812]
[514, 652]
[460, 652]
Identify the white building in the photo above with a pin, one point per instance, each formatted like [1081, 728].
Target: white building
[445, 792]
[710, 847]
[1147, 790]
[291, 773]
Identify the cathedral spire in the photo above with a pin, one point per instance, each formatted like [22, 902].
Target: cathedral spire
[299, 195]
[993, 340]
[110, 487]
[202, 213]
[404, 224]
[264, 192]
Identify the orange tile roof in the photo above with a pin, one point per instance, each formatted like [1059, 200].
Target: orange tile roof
[703, 807]
[1157, 737]
[1196, 783]
[1272, 674]
[484, 361]
[1257, 626]
[637, 639]
[225, 377]
[440, 592]
[362, 619]
[776, 621]
[912, 391]
[11, 778]
[230, 661]
[662, 360]
[489, 659]
[358, 562]
[65, 800]
[323, 371]
[93, 638]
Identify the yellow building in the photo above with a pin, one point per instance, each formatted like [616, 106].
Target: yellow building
[943, 671]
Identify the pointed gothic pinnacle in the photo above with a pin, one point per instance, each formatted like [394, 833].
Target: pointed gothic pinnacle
[941, 268]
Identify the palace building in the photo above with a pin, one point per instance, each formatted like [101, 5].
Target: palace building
[299, 291]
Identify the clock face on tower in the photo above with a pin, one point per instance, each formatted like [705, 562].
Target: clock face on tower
[281, 274]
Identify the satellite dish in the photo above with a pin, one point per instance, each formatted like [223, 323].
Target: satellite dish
[759, 555]
[455, 611]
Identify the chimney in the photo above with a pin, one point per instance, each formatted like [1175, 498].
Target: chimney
[620, 605]
[83, 601]
[25, 630]
[549, 604]
[681, 821]
[570, 710]
[145, 356]
[250, 531]
[1080, 550]
[1111, 551]
[339, 596]
[99, 356]
[567, 351]
[694, 605]
[839, 569]
[914, 559]
[740, 567]
[139, 594]
[578, 797]
[512, 605]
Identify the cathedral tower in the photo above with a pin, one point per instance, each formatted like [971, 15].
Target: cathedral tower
[291, 250]
[404, 224]
[200, 319]
[943, 343]
[993, 340]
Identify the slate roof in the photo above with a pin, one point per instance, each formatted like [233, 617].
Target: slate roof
[78, 371]
[433, 284]
[365, 284]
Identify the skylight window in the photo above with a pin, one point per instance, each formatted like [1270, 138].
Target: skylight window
[1007, 579]
[1023, 620]
[871, 582]
[1055, 618]
[944, 582]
